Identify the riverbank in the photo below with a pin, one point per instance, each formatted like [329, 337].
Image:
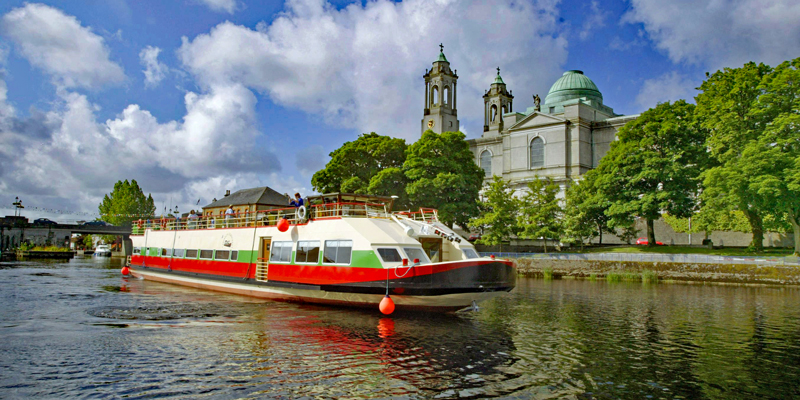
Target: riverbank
[675, 271]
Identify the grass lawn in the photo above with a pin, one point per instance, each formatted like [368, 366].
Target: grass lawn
[729, 251]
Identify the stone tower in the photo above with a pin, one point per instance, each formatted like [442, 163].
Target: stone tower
[440, 114]
[496, 102]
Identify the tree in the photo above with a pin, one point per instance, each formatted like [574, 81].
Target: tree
[540, 213]
[354, 165]
[727, 108]
[498, 218]
[391, 182]
[772, 162]
[126, 203]
[654, 166]
[584, 213]
[442, 174]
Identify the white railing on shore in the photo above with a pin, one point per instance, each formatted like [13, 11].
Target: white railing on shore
[650, 257]
[267, 217]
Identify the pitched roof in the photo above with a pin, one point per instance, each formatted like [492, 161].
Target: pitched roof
[260, 195]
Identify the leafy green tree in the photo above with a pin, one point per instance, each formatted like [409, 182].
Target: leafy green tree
[654, 166]
[442, 174]
[772, 162]
[498, 219]
[727, 107]
[126, 203]
[540, 213]
[391, 182]
[584, 213]
[354, 165]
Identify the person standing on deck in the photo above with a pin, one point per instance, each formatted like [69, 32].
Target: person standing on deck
[192, 220]
[297, 201]
[229, 217]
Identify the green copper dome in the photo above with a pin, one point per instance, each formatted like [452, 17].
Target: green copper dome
[573, 85]
[442, 57]
[498, 79]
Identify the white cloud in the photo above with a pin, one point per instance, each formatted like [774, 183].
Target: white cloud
[671, 86]
[595, 19]
[721, 33]
[60, 46]
[154, 71]
[361, 66]
[228, 6]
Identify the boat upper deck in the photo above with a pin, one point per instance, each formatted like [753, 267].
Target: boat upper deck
[322, 207]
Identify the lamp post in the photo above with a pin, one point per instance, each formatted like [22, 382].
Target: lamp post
[17, 206]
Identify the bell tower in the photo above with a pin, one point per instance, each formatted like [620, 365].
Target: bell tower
[440, 114]
[496, 102]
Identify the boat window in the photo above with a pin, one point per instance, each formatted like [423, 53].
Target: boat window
[337, 251]
[307, 251]
[206, 254]
[470, 253]
[222, 255]
[191, 253]
[137, 250]
[390, 255]
[281, 251]
[165, 252]
[234, 255]
[415, 252]
[178, 253]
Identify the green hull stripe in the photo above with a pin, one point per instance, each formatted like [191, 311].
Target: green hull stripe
[361, 258]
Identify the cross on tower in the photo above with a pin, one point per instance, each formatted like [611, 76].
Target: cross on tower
[498, 70]
[441, 48]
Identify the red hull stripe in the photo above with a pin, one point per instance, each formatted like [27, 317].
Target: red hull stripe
[306, 274]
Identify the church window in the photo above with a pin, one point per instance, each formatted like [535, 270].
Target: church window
[493, 112]
[537, 153]
[435, 95]
[446, 95]
[486, 163]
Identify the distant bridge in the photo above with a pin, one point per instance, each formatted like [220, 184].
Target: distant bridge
[17, 230]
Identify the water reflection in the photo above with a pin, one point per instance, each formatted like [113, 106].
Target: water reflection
[78, 329]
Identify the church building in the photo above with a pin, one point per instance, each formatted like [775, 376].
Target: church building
[561, 139]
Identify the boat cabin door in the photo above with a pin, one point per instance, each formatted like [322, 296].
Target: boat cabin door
[262, 264]
[433, 248]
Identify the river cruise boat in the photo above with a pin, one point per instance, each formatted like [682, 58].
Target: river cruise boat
[340, 249]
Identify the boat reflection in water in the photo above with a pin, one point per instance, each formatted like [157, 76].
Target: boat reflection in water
[293, 350]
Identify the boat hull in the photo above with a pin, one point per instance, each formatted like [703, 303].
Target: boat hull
[435, 287]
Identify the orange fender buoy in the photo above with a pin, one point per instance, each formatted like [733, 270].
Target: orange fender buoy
[126, 271]
[387, 305]
[283, 225]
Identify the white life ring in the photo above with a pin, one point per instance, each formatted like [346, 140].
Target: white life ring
[301, 213]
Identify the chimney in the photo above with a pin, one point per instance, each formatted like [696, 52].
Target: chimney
[227, 193]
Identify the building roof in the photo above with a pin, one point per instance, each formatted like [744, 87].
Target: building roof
[573, 85]
[260, 195]
[441, 58]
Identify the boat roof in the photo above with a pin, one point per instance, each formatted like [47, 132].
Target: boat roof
[350, 198]
[259, 195]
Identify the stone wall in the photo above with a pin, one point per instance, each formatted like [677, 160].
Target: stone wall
[731, 273]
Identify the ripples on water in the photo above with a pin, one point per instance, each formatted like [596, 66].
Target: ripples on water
[79, 330]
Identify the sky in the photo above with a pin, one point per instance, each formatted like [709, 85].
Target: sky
[194, 97]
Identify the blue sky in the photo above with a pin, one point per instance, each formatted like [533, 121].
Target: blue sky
[193, 97]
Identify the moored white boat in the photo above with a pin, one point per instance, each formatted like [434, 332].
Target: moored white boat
[341, 249]
[102, 250]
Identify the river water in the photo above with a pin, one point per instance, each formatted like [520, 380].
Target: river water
[80, 330]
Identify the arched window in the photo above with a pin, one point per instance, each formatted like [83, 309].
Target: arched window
[446, 95]
[486, 163]
[435, 96]
[537, 152]
[493, 112]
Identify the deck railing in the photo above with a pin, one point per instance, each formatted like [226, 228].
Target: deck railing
[252, 219]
